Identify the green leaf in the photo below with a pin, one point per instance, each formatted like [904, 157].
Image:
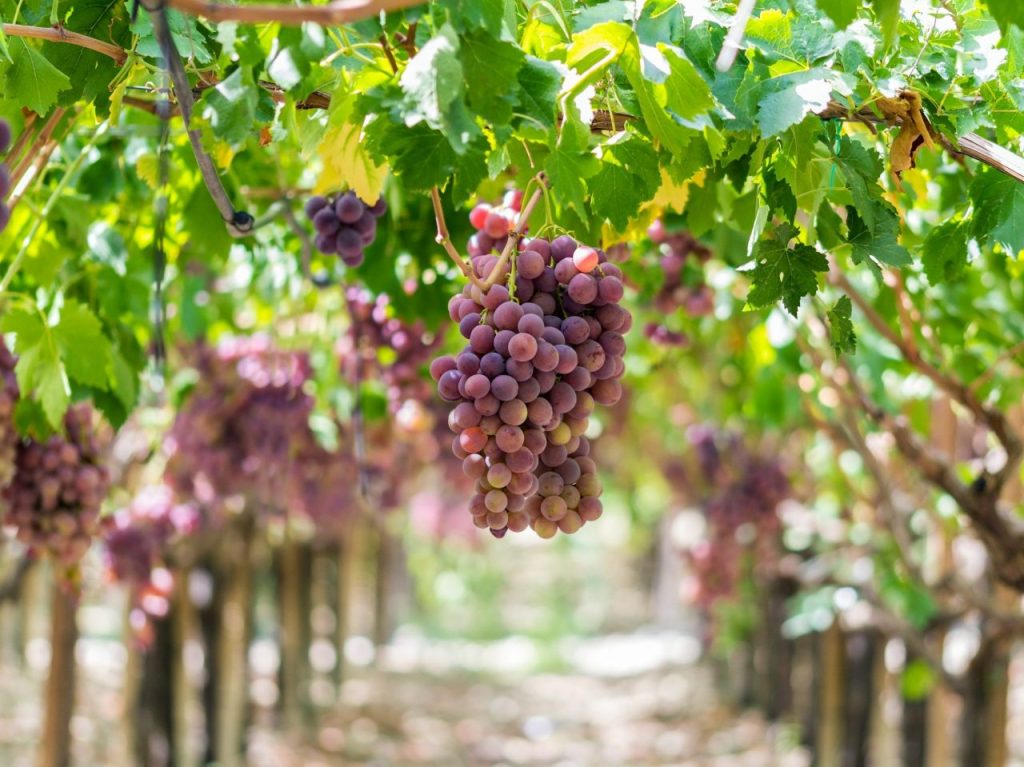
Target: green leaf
[888, 14]
[617, 43]
[881, 244]
[918, 680]
[491, 68]
[795, 98]
[785, 273]
[434, 87]
[84, 348]
[32, 80]
[1006, 12]
[539, 83]
[861, 168]
[944, 252]
[90, 72]
[39, 369]
[998, 209]
[687, 93]
[842, 12]
[230, 108]
[840, 327]
[185, 31]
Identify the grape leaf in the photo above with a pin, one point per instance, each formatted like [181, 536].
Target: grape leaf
[840, 327]
[861, 168]
[881, 243]
[842, 12]
[944, 252]
[490, 67]
[39, 369]
[230, 107]
[539, 82]
[888, 14]
[998, 209]
[188, 38]
[434, 89]
[89, 72]
[346, 161]
[31, 79]
[785, 273]
[1006, 12]
[84, 349]
[793, 98]
[618, 44]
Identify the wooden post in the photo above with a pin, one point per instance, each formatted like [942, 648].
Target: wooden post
[294, 571]
[232, 652]
[861, 697]
[55, 743]
[942, 703]
[829, 741]
[347, 570]
[884, 745]
[183, 619]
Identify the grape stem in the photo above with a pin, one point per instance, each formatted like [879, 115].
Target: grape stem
[444, 240]
[239, 223]
[515, 235]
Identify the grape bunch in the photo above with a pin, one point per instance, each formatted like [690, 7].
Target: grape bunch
[54, 499]
[682, 261]
[392, 348]
[8, 400]
[741, 495]
[542, 352]
[137, 536]
[345, 225]
[242, 425]
[5, 175]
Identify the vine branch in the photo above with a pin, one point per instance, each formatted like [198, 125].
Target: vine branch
[239, 223]
[990, 417]
[332, 14]
[58, 34]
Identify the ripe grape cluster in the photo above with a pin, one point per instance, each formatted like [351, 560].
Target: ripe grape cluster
[739, 507]
[58, 486]
[541, 354]
[137, 536]
[682, 260]
[8, 400]
[242, 424]
[345, 225]
[5, 175]
[392, 348]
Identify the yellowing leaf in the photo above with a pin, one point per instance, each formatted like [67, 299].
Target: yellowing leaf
[148, 168]
[347, 163]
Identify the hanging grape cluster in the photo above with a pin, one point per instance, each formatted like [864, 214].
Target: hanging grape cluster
[392, 349]
[345, 225]
[682, 261]
[241, 426]
[545, 344]
[742, 493]
[8, 400]
[58, 486]
[5, 175]
[136, 537]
